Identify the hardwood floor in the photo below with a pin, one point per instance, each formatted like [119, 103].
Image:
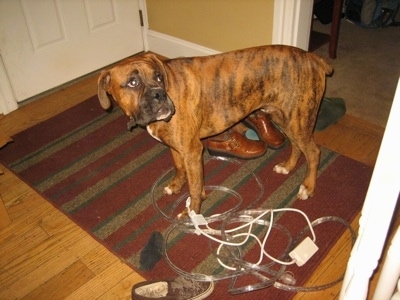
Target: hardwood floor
[46, 256]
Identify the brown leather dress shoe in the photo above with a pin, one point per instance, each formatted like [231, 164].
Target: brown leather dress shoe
[233, 144]
[266, 130]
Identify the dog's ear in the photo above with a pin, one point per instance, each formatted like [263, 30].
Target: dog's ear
[103, 84]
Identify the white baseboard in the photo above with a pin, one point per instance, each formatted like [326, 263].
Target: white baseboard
[172, 47]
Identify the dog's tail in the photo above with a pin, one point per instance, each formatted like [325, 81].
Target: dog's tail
[322, 63]
[328, 69]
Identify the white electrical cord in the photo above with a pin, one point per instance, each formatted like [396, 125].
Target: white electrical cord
[195, 219]
[268, 276]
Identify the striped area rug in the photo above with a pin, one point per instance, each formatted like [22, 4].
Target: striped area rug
[103, 177]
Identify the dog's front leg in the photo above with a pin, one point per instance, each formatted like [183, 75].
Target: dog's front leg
[178, 181]
[193, 161]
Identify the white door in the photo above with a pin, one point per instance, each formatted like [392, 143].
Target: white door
[45, 43]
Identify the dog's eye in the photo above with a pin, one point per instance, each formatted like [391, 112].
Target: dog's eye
[159, 77]
[134, 82]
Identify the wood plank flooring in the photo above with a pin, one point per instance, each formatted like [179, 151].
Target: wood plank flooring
[46, 256]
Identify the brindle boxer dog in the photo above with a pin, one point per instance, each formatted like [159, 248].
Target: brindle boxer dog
[184, 100]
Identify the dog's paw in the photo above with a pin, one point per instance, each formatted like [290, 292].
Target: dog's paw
[281, 170]
[303, 193]
[183, 215]
[174, 186]
[168, 191]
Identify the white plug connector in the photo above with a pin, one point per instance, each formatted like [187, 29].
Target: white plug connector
[197, 220]
[304, 251]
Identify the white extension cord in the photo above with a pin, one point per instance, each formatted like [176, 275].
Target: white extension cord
[278, 276]
[300, 255]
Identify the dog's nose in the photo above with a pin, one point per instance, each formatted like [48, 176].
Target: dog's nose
[158, 94]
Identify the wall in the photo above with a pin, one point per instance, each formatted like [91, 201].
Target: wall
[221, 25]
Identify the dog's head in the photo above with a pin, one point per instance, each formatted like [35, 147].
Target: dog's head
[139, 87]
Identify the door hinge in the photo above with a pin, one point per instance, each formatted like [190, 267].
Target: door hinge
[141, 17]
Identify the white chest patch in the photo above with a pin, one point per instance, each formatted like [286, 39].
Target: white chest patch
[152, 134]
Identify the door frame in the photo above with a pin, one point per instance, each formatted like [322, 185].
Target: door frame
[292, 22]
[8, 102]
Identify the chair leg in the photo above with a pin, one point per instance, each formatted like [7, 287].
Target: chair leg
[335, 27]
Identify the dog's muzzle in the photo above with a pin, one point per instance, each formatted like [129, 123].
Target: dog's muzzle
[155, 105]
[162, 106]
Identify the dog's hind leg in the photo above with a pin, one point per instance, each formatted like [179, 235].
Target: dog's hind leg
[286, 166]
[300, 133]
[290, 128]
[312, 154]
